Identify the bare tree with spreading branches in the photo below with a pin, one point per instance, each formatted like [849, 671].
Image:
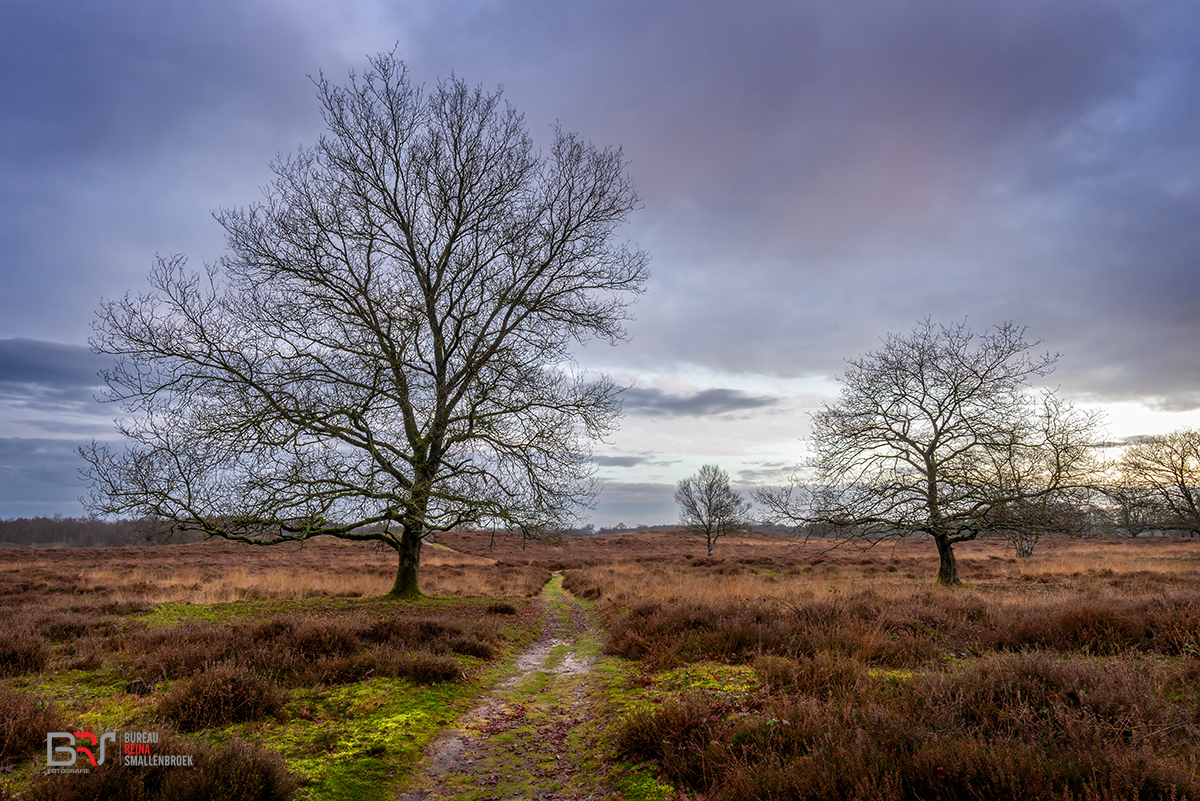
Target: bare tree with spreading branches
[709, 507]
[385, 351]
[1157, 484]
[938, 433]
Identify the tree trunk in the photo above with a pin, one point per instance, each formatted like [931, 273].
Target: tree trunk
[710, 544]
[407, 571]
[948, 571]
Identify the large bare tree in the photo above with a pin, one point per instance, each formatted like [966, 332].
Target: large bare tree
[939, 433]
[709, 507]
[1157, 484]
[385, 350]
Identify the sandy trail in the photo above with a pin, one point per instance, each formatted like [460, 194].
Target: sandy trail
[523, 739]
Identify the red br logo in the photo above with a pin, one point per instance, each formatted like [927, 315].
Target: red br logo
[70, 752]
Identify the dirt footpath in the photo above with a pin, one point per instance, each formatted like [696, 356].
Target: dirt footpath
[534, 735]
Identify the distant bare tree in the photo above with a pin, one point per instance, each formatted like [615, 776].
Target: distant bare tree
[938, 433]
[709, 506]
[385, 352]
[1157, 486]
[1129, 510]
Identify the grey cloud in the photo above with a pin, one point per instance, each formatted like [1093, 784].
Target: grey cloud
[39, 477]
[619, 461]
[771, 472]
[633, 503]
[125, 124]
[656, 402]
[815, 174]
[864, 165]
[31, 361]
[88, 80]
[36, 372]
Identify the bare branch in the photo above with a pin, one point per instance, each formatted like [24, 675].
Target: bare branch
[388, 339]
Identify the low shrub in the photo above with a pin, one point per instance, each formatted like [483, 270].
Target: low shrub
[409, 630]
[237, 771]
[471, 645]
[22, 652]
[182, 651]
[419, 667]
[1021, 726]
[64, 627]
[823, 675]
[219, 696]
[501, 608]
[312, 638]
[24, 722]
[686, 736]
[432, 635]
[341, 670]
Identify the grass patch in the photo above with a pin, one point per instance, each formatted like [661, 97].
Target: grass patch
[358, 740]
[640, 784]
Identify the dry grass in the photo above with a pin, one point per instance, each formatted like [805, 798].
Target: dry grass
[218, 572]
[795, 571]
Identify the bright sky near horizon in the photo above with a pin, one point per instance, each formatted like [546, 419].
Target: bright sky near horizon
[814, 175]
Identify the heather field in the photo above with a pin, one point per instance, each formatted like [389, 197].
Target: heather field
[777, 669]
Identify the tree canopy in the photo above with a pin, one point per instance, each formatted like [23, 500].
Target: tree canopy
[385, 350]
[940, 433]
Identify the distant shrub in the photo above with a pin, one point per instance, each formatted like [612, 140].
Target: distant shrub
[219, 696]
[501, 608]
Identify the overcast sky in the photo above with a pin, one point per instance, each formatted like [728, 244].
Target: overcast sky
[814, 175]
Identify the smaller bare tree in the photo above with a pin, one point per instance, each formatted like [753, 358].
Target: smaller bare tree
[709, 507]
[940, 433]
[1158, 486]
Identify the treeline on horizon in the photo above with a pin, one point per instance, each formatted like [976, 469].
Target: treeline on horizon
[85, 532]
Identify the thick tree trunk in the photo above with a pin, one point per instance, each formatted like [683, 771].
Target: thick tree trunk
[948, 571]
[710, 545]
[407, 572]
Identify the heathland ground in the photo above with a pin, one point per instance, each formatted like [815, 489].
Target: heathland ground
[775, 669]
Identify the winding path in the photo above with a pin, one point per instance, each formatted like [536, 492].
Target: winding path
[532, 736]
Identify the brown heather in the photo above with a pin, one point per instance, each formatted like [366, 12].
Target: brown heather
[220, 696]
[80, 609]
[24, 721]
[22, 651]
[237, 771]
[1073, 675]
[119, 581]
